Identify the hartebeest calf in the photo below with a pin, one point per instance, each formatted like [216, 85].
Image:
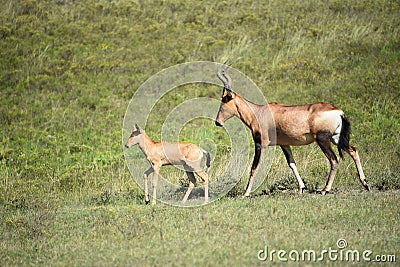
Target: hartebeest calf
[170, 153]
[294, 126]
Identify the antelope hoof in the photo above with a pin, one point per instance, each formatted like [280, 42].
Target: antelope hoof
[324, 192]
[300, 191]
[367, 186]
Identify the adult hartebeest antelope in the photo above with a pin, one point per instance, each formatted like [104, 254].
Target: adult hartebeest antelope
[294, 126]
[170, 153]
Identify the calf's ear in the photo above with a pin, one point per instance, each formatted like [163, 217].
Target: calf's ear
[138, 128]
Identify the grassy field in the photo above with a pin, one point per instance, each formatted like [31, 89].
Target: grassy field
[228, 232]
[68, 70]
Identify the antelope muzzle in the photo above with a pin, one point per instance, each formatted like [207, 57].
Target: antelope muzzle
[219, 124]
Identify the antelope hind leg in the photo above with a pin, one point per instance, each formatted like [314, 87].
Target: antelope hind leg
[323, 140]
[204, 176]
[292, 164]
[354, 154]
[192, 182]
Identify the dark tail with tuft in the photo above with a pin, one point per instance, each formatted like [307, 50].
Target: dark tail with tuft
[344, 138]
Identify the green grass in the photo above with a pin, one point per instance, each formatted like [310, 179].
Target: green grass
[230, 231]
[68, 70]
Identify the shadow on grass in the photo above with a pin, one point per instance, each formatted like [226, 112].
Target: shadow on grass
[389, 181]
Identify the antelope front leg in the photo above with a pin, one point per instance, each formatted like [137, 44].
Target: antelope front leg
[155, 182]
[146, 188]
[256, 161]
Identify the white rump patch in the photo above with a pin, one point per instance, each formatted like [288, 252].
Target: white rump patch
[336, 133]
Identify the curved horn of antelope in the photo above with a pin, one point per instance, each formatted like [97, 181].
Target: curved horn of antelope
[229, 88]
[228, 82]
[222, 68]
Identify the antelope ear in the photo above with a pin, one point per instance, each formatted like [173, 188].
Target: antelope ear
[138, 128]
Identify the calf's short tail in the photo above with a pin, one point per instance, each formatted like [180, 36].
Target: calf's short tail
[208, 158]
